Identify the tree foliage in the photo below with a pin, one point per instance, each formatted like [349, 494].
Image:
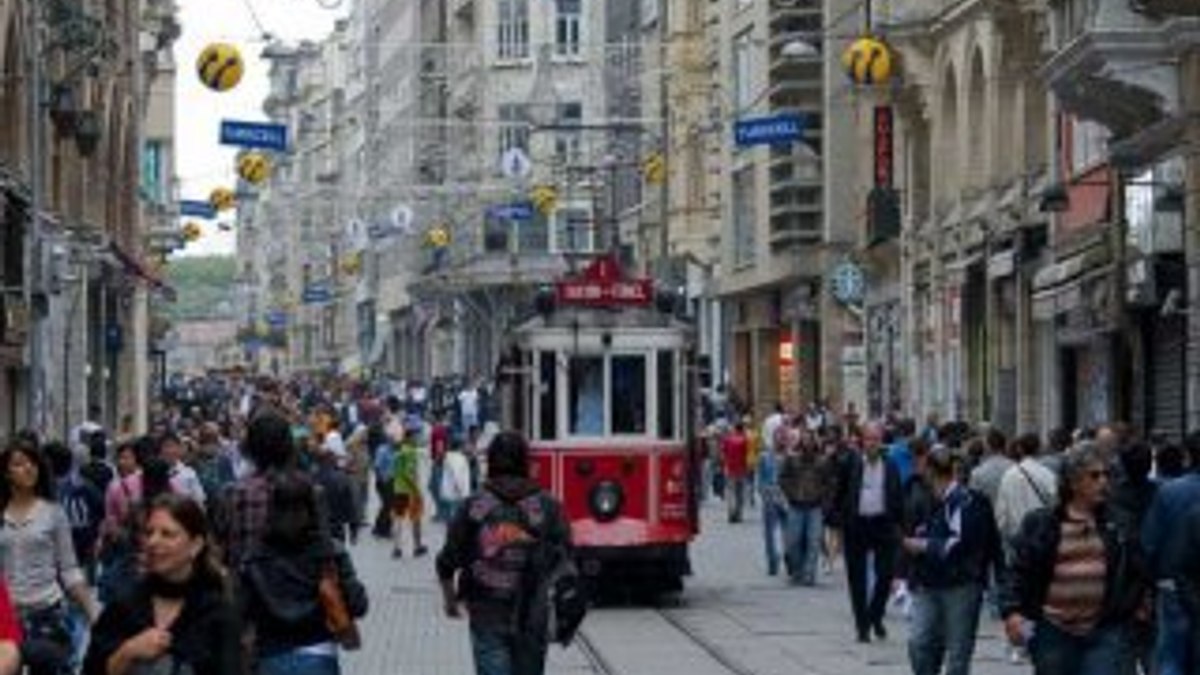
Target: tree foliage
[204, 286]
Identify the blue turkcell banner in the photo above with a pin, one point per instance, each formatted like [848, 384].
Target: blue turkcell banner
[520, 211]
[193, 208]
[773, 130]
[263, 135]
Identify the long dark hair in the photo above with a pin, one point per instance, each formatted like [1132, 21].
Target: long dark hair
[44, 488]
[156, 479]
[294, 522]
[190, 516]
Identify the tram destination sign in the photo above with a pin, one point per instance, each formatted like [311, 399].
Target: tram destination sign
[602, 284]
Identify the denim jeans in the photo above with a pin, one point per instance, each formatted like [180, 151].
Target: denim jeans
[944, 621]
[499, 654]
[1056, 652]
[1174, 636]
[775, 521]
[736, 487]
[804, 531]
[297, 663]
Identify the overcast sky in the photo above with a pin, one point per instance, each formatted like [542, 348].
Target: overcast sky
[201, 163]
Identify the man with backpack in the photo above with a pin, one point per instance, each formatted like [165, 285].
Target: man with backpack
[507, 557]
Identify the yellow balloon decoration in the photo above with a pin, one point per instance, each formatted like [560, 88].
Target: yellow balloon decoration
[254, 167]
[544, 198]
[222, 199]
[220, 66]
[191, 231]
[352, 264]
[868, 60]
[438, 237]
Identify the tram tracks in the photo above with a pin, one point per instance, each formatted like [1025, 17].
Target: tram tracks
[600, 662]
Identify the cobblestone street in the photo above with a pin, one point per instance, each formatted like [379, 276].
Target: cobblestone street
[731, 619]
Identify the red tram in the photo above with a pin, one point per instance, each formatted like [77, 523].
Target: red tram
[603, 383]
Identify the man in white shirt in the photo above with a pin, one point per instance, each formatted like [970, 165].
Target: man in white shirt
[771, 427]
[182, 475]
[1025, 487]
[456, 479]
[468, 407]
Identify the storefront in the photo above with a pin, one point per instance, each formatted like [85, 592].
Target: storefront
[1078, 296]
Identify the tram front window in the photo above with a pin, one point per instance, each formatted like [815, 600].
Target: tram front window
[587, 395]
[628, 395]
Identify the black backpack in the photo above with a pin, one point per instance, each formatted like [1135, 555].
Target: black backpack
[536, 576]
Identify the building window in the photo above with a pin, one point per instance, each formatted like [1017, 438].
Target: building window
[153, 159]
[743, 74]
[513, 29]
[587, 395]
[1089, 145]
[567, 27]
[568, 145]
[627, 395]
[744, 221]
[573, 229]
[514, 127]
[649, 12]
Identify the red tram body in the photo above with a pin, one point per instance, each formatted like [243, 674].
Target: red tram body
[603, 384]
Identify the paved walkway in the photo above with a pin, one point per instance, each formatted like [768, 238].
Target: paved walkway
[758, 622]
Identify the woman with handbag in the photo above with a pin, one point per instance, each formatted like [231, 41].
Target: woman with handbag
[179, 617]
[38, 560]
[300, 591]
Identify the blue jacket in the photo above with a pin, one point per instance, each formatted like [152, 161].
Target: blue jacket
[1163, 542]
[963, 543]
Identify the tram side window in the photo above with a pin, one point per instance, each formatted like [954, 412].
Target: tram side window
[587, 395]
[629, 395]
[548, 389]
[666, 394]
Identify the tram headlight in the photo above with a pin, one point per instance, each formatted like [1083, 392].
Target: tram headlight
[605, 500]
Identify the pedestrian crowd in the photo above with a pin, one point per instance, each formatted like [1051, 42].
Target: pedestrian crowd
[217, 543]
[1085, 545]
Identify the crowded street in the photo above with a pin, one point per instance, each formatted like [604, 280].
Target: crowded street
[612, 337]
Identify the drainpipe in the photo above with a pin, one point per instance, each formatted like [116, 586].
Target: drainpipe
[1190, 72]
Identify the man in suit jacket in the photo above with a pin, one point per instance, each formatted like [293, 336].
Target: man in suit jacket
[871, 502]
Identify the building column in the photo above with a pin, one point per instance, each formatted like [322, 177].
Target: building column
[140, 344]
[1190, 73]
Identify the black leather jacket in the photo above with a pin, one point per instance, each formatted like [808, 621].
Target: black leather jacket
[1035, 552]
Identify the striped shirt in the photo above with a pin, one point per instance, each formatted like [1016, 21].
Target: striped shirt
[1076, 595]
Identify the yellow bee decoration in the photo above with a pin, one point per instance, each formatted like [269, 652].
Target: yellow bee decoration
[220, 66]
[868, 60]
[192, 231]
[438, 237]
[222, 199]
[544, 198]
[352, 264]
[254, 168]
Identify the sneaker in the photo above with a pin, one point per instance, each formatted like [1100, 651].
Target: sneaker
[397, 553]
[880, 630]
[420, 551]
